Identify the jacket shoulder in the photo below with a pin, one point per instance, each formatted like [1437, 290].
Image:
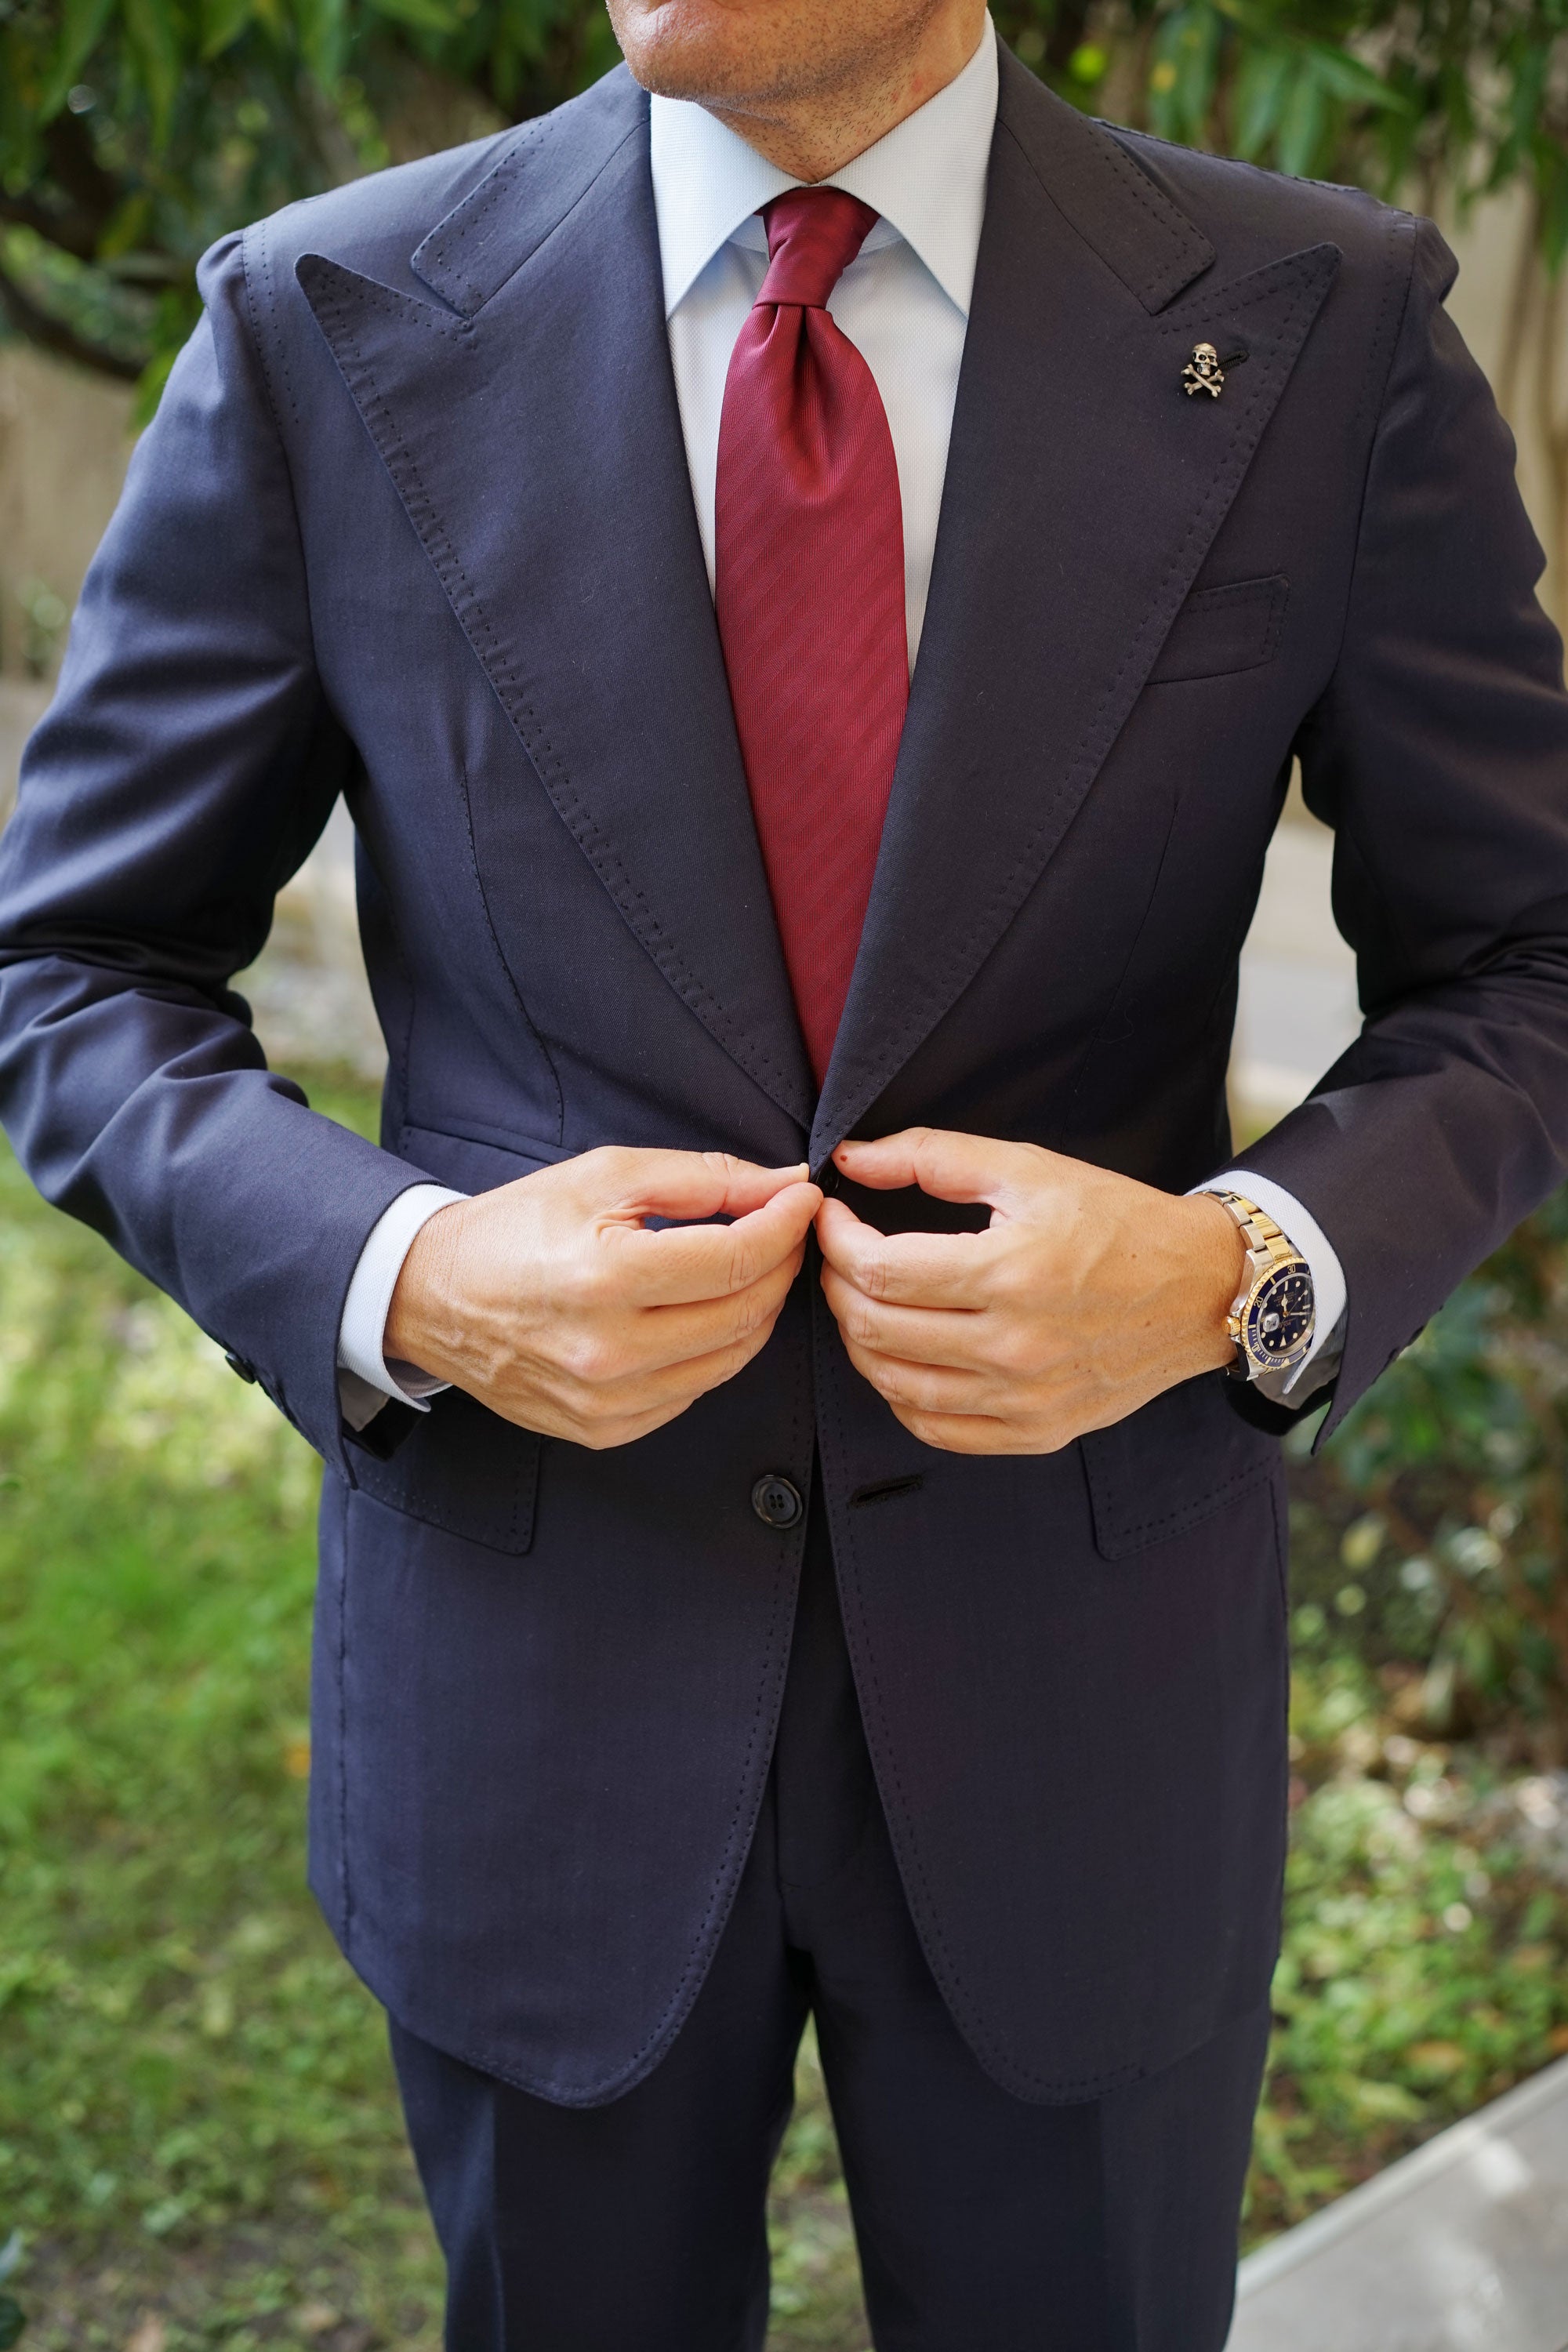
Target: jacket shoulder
[374, 224]
[1252, 216]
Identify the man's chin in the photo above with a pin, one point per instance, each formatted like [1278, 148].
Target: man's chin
[702, 72]
[713, 54]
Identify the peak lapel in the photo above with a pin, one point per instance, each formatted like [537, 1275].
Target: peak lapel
[1083, 491]
[529, 422]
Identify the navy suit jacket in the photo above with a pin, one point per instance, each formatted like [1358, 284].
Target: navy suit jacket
[413, 525]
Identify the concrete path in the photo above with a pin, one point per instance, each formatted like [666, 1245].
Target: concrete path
[1462, 2247]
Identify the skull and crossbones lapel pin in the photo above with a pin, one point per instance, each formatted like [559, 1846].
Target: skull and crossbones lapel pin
[1204, 372]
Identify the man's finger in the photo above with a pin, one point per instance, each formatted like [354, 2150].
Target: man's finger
[923, 1388]
[947, 1165]
[969, 1432]
[628, 1184]
[655, 1338]
[960, 1336]
[906, 1269]
[664, 1389]
[688, 1262]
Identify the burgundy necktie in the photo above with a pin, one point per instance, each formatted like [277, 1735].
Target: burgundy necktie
[809, 573]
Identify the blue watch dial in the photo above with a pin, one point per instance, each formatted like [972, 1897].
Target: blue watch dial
[1277, 1329]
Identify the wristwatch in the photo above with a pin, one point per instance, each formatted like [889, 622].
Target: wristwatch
[1274, 1314]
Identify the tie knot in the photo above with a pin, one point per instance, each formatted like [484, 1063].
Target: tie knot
[813, 233]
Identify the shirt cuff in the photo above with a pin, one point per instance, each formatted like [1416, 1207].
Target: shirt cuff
[1303, 1231]
[365, 1380]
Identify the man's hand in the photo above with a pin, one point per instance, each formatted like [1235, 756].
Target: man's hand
[550, 1301]
[1085, 1296]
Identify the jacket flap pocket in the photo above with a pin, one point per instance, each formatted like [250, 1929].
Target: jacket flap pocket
[463, 1469]
[1222, 629]
[1181, 1457]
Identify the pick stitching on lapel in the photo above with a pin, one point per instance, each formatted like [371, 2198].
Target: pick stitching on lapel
[548, 276]
[532, 431]
[1150, 243]
[1082, 494]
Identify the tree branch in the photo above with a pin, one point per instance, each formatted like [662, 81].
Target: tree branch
[1069, 23]
[51, 334]
[94, 195]
[75, 200]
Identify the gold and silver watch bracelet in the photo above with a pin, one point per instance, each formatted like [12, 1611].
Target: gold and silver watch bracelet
[1267, 1249]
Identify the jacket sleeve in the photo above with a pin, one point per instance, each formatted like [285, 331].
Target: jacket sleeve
[1439, 755]
[185, 768]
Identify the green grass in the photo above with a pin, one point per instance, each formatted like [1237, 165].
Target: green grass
[195, 2098]
[197, 2115]
[1425, 1968]
[199, 2139]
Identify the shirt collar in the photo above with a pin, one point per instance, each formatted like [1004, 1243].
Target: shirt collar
[926, 178]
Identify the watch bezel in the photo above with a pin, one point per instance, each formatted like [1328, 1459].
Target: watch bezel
[1284, 1359]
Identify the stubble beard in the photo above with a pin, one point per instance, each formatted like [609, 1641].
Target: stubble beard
[759, 65]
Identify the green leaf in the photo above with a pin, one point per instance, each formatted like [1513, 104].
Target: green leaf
[531, 22]
[1345, 77]
[1182, 78]
[420, 16]
[81, 28]
[1396, 141]
[1198, 56]
[323, 37]
[222, 23]
[153, 33]
[128, 227]
[12, 2321]
[1530, 63]
[1553, 182]
[1301, 129]
[1261, 89]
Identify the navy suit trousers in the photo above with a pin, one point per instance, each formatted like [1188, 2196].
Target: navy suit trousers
[985, 2224]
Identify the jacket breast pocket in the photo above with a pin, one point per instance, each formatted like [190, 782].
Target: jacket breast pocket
[460, 1468]
[1183, 1457]
[1221, 630]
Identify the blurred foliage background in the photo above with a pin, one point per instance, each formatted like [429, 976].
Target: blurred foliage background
[134, 131]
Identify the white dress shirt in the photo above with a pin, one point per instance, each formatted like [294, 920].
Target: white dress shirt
[903, 302]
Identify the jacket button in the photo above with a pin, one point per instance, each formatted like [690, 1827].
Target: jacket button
[237, 1364]
[776, 1501]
